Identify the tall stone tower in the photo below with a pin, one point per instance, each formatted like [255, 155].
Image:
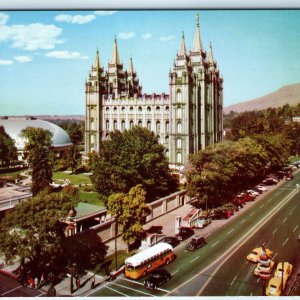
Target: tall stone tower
[196, 101]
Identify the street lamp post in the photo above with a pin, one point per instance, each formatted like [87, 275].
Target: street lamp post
[116, 233]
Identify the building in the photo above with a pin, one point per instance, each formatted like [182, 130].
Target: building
[14, 126]
[186, 120]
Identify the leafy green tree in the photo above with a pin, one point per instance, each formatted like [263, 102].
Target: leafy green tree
[73, 157]
[129, 158]
[130, 211]
[8, 151]
[34, 232]
[38, 148]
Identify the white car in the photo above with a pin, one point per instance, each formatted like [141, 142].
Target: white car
[261, 188]
[252, 193]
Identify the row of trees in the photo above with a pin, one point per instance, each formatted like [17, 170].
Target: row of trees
[221, 171]
[268, 121]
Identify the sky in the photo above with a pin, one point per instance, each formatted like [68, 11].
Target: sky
[45, 56]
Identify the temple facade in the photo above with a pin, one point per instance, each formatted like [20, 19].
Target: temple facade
[186, 120]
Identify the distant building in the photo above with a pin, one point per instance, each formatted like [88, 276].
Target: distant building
[187, 120]
[13, 127]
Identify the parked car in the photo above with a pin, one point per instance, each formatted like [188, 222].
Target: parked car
[239, 202]
[252, 193]
[196, 243]
[202, 222]
[231, 206]
[246, 197]
[255, 189]
[157, 278]
[155, 229]
[218, 213]
[284, 269]
[184, 233]
[261, 188]
[171, 240]
[274, 287]
[270, 181]
[257, 252]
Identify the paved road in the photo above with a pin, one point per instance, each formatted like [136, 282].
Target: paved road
[11, 288]
[220, 268]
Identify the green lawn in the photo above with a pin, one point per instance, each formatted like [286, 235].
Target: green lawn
[74, 178]
[90, 197]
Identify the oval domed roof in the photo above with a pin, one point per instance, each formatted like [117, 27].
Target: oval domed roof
[14, 126]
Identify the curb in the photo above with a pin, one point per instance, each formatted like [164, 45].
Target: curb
[11, 275]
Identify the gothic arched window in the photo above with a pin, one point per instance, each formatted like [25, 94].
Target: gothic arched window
[179, 143]
[115, 124]
[149, 125]
[148, 108]
[140, 108]
[157, 108]
[140, 123]
[167, 126]
[157, 126]
[131, 124]
[107, 124]
[123, 124]
[179, 112]
[178, 96]
[179, 157]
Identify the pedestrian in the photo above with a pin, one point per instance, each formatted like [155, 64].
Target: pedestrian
[42, 279]
[93, 283]
[78, 282]
[31, 282]
[36, 283]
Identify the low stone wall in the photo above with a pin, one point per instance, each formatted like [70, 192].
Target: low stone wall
[158, 208]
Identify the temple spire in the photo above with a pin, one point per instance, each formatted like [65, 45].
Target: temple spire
[115, 54]
[97, 60]
[130, 68]
[197, 47]
[210, 54]
[182, 50]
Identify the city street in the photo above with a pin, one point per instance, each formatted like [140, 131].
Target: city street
[220, 268]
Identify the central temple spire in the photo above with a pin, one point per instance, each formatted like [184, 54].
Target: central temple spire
[115, 54]
[97, 60]
[197, 47]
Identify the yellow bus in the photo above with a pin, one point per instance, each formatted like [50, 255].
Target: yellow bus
[148, 260]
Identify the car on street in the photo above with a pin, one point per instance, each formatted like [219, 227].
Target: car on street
[184, 233]
[157, 278]
[263, 271]
[274, 287]
[196, 243]
[202, 222]
[218, 214]
[284, 269]
[155, 229]
[231, 206]
[171, 240]
[257, 252]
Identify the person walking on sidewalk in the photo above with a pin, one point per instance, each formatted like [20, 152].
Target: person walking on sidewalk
[93, 282]
[36, 283]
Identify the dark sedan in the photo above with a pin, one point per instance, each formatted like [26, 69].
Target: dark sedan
[172, 240]
[157, 278]
[184, 233]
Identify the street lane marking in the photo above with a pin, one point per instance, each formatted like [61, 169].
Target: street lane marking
[252, 214]
[285, 241]
[233, 280]
[195, 258]
[136, 282]
[275, 230]
[229, 231]
[208, 234]
[275, 255]
[116, 291]
[284, 220]
[128, 288]
[42, 294]
[174, 272]
[262, 206]
[243, 221]
[215, 244]
[16, 288]
[295, 228]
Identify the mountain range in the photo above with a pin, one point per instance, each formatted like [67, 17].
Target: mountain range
[289, 94]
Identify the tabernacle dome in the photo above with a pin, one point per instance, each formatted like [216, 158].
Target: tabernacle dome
[14, 126]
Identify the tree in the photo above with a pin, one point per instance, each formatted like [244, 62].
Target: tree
[129, 158]
[73, 157]
[34, 232]
[130, 211]
[8, 151]
[38, 147]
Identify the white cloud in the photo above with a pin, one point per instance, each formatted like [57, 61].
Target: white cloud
[23, 59]
[6, 62]
[3, 18]
[105, 12]
[167, 38]
[31, 37]
[76, 19]
[147, 36]
[126, 35]
[65, 54]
